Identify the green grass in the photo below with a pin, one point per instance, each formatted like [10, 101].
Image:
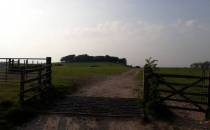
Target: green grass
[66, 78]
[9, 92]
[87, 69]
[69, 75]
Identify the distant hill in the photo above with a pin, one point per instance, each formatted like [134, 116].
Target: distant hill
[87, 58]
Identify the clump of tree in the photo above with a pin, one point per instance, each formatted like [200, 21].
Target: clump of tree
[201, 65]
[87, 58]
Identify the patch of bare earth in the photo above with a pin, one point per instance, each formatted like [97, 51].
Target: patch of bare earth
[125, 85]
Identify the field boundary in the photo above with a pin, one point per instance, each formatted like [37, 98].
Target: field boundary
[43, 80]
[31, 75]
[157, 86]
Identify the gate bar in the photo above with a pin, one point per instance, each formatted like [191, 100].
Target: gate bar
[208, 110]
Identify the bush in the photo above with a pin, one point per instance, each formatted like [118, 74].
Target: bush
[151, 81]
[152, 104]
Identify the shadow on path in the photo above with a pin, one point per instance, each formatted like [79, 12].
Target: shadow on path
[98, 106]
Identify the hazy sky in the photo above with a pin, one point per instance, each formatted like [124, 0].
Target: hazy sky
[176, 32]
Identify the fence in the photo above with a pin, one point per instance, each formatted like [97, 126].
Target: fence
[31, 75]
[174, 90]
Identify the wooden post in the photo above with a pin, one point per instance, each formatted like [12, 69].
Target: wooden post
[6, 69]
[26, 62]
[208, 109]
[13, 63]
[18, 62]
[22, 84]
[49, 71]
[40, 77]
[9, 65]
[40, 82]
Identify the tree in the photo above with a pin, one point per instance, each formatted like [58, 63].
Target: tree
[87, 58]
[69, 58]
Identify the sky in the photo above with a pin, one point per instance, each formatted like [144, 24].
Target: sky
[175, 32]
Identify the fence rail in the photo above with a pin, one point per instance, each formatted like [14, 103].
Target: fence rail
[157, 83]
[31, 75]
[42, 79]
[180, 76]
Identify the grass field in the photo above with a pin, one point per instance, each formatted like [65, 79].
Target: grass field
[65, 75]
[66, 78]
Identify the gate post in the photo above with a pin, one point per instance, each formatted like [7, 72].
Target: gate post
[40, 80]
[6, 71]
[49, 70]
[9, 64]
[208, 109]
[22, 85]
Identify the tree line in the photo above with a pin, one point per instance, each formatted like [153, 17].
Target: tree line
[201, 65]
[87, 58]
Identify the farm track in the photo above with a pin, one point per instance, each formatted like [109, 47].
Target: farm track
[107, 105]
[108, 101]
[125, 85]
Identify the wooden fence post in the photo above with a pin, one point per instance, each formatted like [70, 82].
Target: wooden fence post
[40, 81]
[22, 84]
[49, 71]
[13, 62]
[208, 109]
[6, 70]
[18, 62]
[10, 64]
[26, 62]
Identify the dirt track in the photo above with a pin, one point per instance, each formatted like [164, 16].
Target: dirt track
[125, 85]
[120, 86]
